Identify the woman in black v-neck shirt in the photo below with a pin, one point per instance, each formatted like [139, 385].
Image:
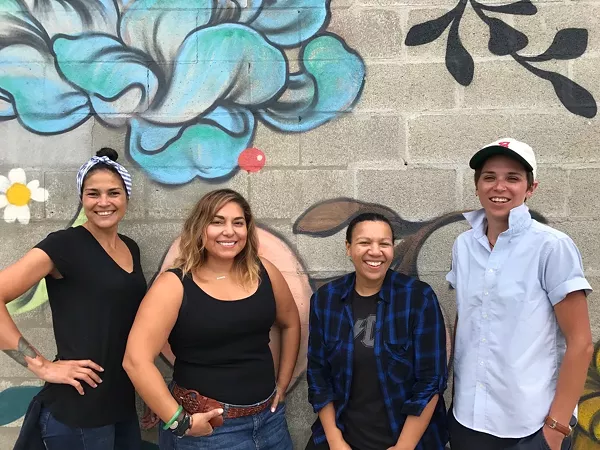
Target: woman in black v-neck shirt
[95, 284]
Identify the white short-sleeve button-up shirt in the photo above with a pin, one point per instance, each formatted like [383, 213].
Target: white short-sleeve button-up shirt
[509, 347]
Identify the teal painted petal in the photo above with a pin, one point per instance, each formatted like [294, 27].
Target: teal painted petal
[17, 26]
[43, 101]
[14, 402]
[178, 154]
[249, 12]
[74, 17]
[159, 27]
[106, 69]
[234, 63]
[6, 108]
[330, 83]
[290, 22]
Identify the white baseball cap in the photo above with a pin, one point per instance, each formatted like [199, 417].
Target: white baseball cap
[510, 147]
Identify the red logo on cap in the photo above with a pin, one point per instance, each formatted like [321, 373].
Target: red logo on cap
[504, 144]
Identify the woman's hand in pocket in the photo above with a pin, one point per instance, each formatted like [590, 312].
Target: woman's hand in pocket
[200, 423]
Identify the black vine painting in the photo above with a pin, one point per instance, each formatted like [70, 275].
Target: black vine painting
[505, 40]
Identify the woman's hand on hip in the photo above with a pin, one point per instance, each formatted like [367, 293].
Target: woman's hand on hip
[71, 372]
[200, 423]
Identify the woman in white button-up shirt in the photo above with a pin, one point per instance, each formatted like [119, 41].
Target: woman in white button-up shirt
[523, 341]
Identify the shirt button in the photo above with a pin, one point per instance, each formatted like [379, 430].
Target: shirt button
[483, 340]
[484, 315]
[486, 293]
[481, 363]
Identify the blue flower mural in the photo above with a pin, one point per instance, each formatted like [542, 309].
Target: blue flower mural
[190, 81]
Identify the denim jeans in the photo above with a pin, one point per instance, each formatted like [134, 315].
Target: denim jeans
[263, 431]
[119, 436]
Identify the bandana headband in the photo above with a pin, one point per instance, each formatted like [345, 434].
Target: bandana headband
[83, 170]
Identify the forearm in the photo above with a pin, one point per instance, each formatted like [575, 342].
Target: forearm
[151, 386]
[290, 343]
[415, 426]
[327, 418]
[571, 380]
[15, 345]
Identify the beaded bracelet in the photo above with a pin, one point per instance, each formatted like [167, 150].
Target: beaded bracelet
[174, 418]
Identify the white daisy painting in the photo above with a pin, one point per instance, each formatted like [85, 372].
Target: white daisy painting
[16, 194]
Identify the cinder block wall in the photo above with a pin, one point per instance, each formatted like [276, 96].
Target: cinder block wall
[378, 120]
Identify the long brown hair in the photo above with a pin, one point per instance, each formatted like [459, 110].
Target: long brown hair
[192, 250]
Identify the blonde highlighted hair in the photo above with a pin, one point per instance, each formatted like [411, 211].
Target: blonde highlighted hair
[192, 245]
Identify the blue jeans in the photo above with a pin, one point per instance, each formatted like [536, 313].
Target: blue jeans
[263, 431]
[119, 436]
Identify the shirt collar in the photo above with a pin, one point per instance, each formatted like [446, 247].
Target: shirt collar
[350, 281]
[519, 219]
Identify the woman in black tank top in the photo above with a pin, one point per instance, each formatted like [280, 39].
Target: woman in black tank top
[216, 308]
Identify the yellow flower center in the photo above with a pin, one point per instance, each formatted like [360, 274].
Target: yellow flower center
[18, 194]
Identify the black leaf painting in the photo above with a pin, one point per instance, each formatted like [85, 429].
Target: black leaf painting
[505, 40]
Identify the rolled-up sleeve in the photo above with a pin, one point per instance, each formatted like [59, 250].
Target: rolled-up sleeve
[451, 276]
[430, 363]
[320, 392]
[563, 272]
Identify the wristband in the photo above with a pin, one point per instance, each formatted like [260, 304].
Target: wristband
[173, 419]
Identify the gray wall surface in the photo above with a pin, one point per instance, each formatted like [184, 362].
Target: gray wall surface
[313, 110]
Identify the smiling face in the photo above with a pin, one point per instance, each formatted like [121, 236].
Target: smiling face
[371, 250]
[226, 234]
[104, 199]
[502, 186]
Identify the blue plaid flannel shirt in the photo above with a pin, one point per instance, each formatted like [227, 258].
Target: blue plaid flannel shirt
[410, 351]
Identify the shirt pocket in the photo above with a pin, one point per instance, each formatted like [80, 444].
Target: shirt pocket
[399, 359]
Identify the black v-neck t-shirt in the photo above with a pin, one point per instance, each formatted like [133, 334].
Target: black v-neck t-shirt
[93, 308]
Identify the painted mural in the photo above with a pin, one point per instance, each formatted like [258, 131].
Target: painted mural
[188, 85]
[504, 40]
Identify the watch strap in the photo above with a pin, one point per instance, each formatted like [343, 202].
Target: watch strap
[551, 422]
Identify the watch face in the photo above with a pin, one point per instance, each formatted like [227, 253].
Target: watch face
[174, 425]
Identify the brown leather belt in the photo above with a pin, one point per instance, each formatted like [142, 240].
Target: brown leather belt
[194, 402]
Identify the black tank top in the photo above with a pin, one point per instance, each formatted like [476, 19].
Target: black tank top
[222, 347]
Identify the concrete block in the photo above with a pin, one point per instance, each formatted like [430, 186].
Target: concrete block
[445, 295]
[38, 318]
[506, 84]
[559, 138]
[325, 253]
[586, 236]
[550, 198]
[319, 185]
[436, 253]
[585, 73]
[274, 193]
[42, 339]
[409, 87]
[8, 437]
[415, 194]
[63, 199]
[22, 148]
[19, 239]
[102, 136]
[299, 413]
[552, 17]
[417, 3]
[16, 382]
[355, 138]
[176, 202]
[584, 198]
[280, 149]
[361, 29]
[154, 240]
[453, 138]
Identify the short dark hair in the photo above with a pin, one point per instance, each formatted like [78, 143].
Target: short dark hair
[367, 217]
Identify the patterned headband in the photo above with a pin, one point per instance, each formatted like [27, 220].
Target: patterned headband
[83, 170]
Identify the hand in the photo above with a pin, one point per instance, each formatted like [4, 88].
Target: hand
[553, 438]
[200, 423]
[67, 372]
[279, 397]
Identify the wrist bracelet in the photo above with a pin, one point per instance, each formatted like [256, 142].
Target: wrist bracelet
[173, 419]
